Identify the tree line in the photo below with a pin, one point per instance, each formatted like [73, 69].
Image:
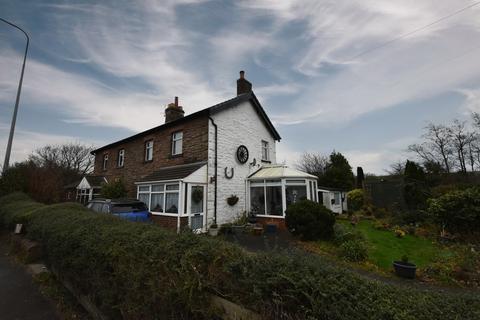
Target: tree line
[47, 171]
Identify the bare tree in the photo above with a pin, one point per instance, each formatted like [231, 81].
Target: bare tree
[461, 138]
[72, 156]
[438, 146]
[397, 168]
[313, 163]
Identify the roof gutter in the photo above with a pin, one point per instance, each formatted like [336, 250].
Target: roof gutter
[216, 171]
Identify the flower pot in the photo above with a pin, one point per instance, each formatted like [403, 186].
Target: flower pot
[405, 269]
[213, 232]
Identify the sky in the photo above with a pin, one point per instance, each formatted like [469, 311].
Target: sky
[358, 77]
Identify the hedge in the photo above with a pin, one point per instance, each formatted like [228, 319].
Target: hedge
[140, 271]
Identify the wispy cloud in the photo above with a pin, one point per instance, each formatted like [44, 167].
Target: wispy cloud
[118, 64]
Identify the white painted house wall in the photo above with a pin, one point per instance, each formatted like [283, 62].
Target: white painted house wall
[239, 125]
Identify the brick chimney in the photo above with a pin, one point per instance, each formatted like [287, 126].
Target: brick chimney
[173, 111]
[243, 85]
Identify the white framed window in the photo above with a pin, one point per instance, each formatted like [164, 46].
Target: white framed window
[105, 161]
[160, 197]
[265, 151]
[121, 158]
[266, 198]
[149, 150]
[177, 143]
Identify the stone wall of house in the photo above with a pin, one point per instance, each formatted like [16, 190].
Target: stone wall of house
[195, 148]
[239, 125]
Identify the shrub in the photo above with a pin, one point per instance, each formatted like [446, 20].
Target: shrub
[457, 211]
[355, 199]
[310, 220]
[381, 213]
[408, 217]
[342, 234]
[114, 190]
[354, 250]
[139, 271]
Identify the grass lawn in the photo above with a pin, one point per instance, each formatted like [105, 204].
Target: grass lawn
[385, 247]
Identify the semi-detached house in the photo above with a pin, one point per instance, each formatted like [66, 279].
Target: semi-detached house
[191, 170]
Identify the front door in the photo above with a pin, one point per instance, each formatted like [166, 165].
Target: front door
[196, 206]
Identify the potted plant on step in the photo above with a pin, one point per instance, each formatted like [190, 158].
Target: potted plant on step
[404, 268]
[213, 230]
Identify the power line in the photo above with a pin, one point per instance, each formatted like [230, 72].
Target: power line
[414, 31]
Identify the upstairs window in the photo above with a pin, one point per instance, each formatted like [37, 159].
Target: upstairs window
[105, 161]
[177, 143]
[121, 158]
[265, 151]
[149, 150]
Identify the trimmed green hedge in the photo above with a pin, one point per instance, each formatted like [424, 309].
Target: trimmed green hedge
[139, 271]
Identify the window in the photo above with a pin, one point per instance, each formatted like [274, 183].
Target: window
[257, 202]
[265, 151]
[149, 150]
[177, 143]
[105, 161]
[337, 198]
[160, 198]
[266, 198]
[295, 193]
[121, 158]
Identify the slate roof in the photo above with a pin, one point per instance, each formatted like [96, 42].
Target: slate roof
[250, 96]
[173, 172]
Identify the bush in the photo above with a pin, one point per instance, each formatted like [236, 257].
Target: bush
[408, 217]
[354, 250]
[380, 213]
[140, 271]
[114, 190]
[355, 199]
[457, 211]
[310, 220]
[342, 234]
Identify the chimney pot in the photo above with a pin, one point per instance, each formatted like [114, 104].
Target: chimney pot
[173, 111]
[243, 85]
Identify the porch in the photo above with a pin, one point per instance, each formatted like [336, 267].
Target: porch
[176, 196]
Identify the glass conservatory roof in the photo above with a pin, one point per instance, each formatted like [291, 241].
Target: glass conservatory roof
[279, 171]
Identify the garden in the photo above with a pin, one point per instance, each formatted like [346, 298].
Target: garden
[440, 240]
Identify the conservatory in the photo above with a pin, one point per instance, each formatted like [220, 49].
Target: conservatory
[273, 188]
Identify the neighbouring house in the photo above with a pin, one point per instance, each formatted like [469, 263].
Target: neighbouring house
[333, 199]
[211, 166]
[87, 189]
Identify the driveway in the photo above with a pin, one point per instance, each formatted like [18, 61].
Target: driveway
[19, 296]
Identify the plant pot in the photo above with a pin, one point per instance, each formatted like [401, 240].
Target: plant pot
[213, 232]
[405, 269]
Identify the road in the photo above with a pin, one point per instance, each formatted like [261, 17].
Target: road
[19, 296]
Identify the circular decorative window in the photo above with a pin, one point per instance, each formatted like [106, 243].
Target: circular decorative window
[242, 154]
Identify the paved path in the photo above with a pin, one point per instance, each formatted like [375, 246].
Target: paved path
[19, 296]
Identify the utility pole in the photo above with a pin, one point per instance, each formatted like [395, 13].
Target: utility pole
[15, 110]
